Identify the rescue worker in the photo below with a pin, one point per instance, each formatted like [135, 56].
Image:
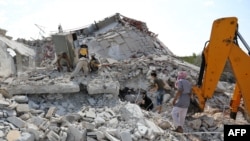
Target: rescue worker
[181, 101]
[159, 89]
[94, 63]
[62, 60]
[146, 103]
[82, 62]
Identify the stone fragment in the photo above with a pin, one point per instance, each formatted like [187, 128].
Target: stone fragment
[100, 135]
[21, 99]
[4, 103]
[1, 134]
[5, 93]
[52, 136]
[103, 86]
[38, 121]
[13, 135]
[41, 89]
[90, 114]
[156, 129]
[142, 129]
[22, 108]
[130, 111]
[110, 137]
[51, 112]
[16, 121]
[126, 136]
[26, 137]
[195, 124]
[88, 125]
[75, 134]
[113, 122]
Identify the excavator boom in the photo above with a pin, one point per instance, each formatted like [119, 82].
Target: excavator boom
[222, 48]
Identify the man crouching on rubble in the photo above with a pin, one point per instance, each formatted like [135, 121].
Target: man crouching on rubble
[82, 62]
[94, 63]
[63, 60]
[146, 103]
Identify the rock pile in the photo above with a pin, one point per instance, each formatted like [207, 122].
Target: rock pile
[84, 116]
[45, 105]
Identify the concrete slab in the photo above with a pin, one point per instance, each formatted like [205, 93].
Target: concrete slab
[69, 87]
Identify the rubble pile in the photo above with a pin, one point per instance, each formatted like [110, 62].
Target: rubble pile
[84, 116]
[42, 104]
[101, 117]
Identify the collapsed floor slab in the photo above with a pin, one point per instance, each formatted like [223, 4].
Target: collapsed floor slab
[69, 87]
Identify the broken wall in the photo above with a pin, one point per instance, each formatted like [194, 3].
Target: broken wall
[7, 66]
[64, 43]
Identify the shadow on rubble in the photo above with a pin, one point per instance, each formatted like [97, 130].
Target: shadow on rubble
[193, 107]
[130, 95]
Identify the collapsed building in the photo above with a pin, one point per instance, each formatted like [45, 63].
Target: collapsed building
[17, 59]
[43, 104]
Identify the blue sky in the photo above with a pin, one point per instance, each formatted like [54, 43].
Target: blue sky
[182, 25]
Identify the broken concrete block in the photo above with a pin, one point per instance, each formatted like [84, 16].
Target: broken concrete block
[4, 103]
[100, 86]
[142, 129]
[5, 93]
[1, 134]
[220, 87]
[13, 135]
[164, 124]
[69, 87]
[113, 122]
[209, 121]
[100, 135]
[195, 124]
[26, 137]
[25, 116]
[126, 136]
[99, 120]
[22, 108]
[63, 136]
[51, 112]
[36, 120]
[166, 98]
[131, 111]
[21, 99]
[137, 134]
[52, 136]
[91, 114]
[16, 121]
[88, 125]
[45, 125]
[156, 129]
[75, 134]
[110, 137]
[91, 101]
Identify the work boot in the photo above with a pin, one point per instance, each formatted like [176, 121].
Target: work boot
[179, 129]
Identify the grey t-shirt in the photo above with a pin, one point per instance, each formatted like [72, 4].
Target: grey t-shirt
[185, 87]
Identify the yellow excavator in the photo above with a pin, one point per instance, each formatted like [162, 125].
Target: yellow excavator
[223, 47]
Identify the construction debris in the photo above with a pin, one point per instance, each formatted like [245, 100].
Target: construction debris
[44, 104]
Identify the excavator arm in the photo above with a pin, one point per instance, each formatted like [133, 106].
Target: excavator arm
[223, 47]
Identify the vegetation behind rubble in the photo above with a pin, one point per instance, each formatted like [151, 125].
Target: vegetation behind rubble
[194, 59]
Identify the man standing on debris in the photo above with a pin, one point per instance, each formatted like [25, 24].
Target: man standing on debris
[183, 96]
[94, 63]
[63, 59]
[159, 89]
[82, 62]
